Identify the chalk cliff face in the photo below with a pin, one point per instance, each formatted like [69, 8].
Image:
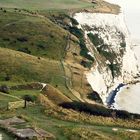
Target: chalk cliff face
[108, 41]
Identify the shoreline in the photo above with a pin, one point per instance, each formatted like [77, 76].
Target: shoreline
[131, 90]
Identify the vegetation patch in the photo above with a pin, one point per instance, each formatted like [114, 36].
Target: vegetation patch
[80, 35]
[32, 34]
[95, 97]
[123, 44]
[115, 69]
[95, 39]
[98, 110]
[86, 64]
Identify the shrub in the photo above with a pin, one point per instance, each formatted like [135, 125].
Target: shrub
[42, 44]
[77, 32]
[88, 108]
[22, 39]
[98, 110]
[86, 64]
[4, 89]
[25, 50]
[4, 11]
[7, 78]
[80, 35]
[95, 39]
[95, 96]
[114, 69]
[74, 21]
[123, 44]
[84, 51]
[108, 55]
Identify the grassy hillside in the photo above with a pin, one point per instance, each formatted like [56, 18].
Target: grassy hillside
[38, 36]
[32, 34]
[21, 67]
[44, 4]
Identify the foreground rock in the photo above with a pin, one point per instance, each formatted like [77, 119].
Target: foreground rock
[24, 133]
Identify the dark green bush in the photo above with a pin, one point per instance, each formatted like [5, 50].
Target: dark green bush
[25, 50]
[22, 39]
[77, 32]
[80, 35]
[4, 89]
[123, 44]
[74, 21]
[95, 96]
[88, 108]
[95, 39]
[42, 44]
[84, 51]
[86, 64]
[98, 110]
[115, 70]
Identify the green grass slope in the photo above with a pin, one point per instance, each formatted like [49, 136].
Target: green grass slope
[34, 35]
[19, 66]
[44, 4]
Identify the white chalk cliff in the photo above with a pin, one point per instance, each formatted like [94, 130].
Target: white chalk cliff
[115, 61]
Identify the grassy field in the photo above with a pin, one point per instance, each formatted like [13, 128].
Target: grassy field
[45, 4]
[63, 128]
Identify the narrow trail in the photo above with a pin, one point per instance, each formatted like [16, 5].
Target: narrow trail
[10, 96]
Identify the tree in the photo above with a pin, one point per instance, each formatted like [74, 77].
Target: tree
[27, 98]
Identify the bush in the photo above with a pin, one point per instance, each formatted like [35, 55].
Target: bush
[7, 78]
[25, 50]
[4, 89]
[74, 21]
[4, 11]
[22, 39]
[77, 32]
[86, 64]
[95, 39]
[123, 44]
[115, 70]
[88, 108]
[84, 51]
[95, 96]
[108, 55]
[80, 35]
[98, 110]
[42, 44]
